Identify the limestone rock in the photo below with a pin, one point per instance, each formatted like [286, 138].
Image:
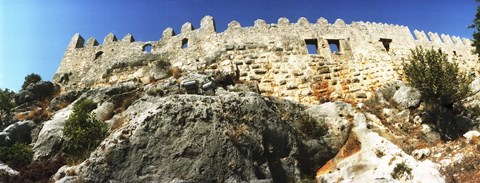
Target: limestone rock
[472, 136]
[229, 137]
[334, 115]
[6, 171]
[20, 132]
[36, 91]
[50, 138]
[368, 157]
[64, 100]
[475, 86]
[407, 97]
[388, 90]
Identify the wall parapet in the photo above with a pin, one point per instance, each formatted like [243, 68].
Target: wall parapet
[290, 56]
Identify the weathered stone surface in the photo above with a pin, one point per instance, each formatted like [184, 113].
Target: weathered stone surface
[282, 43]
[36, 91]
[212, 134]
[50, 138]
[6, 172]
[334, 115]
[235, 137]
[368, 157]
[64, 100]
[19, 132]
[407, 97]
[475, 86]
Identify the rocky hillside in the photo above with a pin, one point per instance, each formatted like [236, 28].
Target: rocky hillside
[197, 127]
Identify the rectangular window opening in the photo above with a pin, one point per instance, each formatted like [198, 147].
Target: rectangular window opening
[312, 46]
[386, 43]
[334, 45]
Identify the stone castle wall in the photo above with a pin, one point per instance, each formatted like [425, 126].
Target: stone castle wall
[273, 55]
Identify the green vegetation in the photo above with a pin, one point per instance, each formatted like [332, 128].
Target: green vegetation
[400, 169]
[476, 33]
[6, 102]
[17, 155]
[31, 78]
[441, 85]
[440, 82]
[83, 130]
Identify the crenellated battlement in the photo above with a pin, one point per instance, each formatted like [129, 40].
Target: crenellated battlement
[347, 60]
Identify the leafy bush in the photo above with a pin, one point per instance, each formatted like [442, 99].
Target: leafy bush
[31, 78]
[17, 155]
[83, 130]
[6, 102]
[476, 32]
[440, 82]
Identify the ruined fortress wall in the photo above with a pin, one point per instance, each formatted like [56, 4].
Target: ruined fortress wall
[273, 55]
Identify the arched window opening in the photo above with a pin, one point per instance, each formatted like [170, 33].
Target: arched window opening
[184, 43]
[147, 48]
[98, 55]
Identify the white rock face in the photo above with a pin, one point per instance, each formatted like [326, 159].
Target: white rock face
[51, 135]
[376, 160]
[334, 115]
[407, 97]
[475, 86]
[6, 170]
[471, 135]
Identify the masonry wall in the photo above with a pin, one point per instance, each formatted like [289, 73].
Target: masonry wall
[273, 55]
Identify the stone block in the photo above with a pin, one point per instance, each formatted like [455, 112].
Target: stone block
[323, 70]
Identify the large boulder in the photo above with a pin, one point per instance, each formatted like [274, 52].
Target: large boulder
[64, 100]
[334, 116]
[234, 137]
[36, 91]
[407, 97]
[19, 132]
[50, 138]
[388, 90]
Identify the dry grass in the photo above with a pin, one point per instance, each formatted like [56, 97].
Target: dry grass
[176, 72]
[38, 114]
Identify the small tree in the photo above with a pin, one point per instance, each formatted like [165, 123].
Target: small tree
[31, 78]
[6, 102]
[476, 33]
[83, 130]
[440, 82]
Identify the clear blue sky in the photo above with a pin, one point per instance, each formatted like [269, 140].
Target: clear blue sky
[34, 34]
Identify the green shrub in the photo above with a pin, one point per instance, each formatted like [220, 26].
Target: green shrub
[440, 82]
[31, 78]
[83, 131]
[401, 169]
[6, 102]
[17, 155]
